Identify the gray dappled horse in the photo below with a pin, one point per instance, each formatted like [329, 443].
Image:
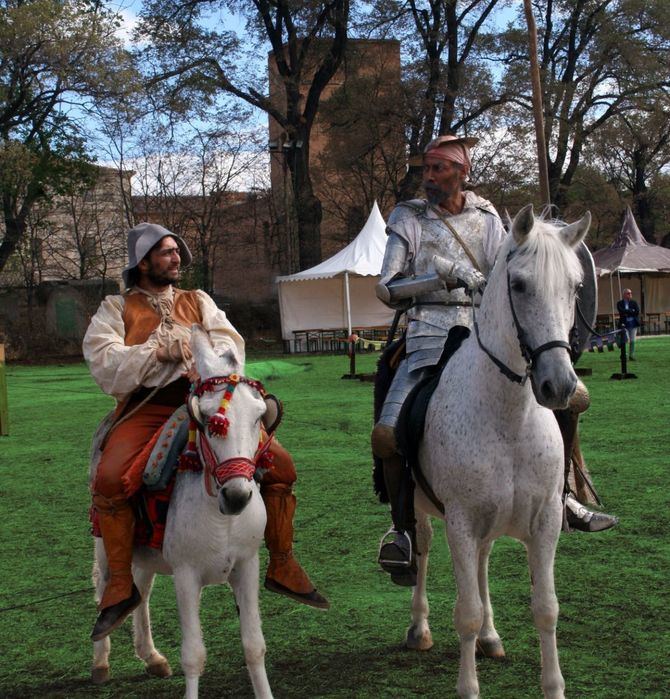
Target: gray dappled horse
[492, 450]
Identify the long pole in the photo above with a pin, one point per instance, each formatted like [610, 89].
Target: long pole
[4, 406]
[537, 105]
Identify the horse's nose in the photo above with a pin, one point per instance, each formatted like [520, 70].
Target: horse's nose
[232, 500]
[555, 394]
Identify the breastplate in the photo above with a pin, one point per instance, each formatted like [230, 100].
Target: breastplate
[437, 239]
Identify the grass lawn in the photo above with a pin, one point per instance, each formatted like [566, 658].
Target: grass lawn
[613, 587]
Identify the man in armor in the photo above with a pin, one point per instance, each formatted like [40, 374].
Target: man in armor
[437, 251]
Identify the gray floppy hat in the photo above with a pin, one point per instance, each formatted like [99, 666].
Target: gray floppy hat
[142, 238]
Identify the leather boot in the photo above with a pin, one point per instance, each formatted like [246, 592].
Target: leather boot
[285, 575]
[397, 554]
[578, 516]
[117, 525]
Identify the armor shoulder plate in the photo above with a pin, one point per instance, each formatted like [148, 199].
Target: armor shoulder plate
[405, 210]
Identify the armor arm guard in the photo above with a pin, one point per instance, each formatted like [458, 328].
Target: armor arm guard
[394, 289]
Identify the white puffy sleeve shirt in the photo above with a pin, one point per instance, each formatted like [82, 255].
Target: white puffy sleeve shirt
[120, 369]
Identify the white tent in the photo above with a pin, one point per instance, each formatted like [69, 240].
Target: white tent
[339, 293]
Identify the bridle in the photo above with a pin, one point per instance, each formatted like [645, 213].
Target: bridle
[217, 426]
[530, 355]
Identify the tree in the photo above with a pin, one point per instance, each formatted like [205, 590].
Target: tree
[190, 177]
[596, 58]
[54, 56]
[188, 58]
[632, 149]
[450, 86]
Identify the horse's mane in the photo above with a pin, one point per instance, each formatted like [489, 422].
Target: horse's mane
[546, 255]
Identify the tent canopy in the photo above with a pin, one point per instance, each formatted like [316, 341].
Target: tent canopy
[363, 256]
[340, 291]
[631, 253]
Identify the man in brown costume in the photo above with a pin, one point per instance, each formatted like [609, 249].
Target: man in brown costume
[137, 348]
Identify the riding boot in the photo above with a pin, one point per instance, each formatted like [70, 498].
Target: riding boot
[397, 549]
[117, 525]
[284, 574]
[577, 515]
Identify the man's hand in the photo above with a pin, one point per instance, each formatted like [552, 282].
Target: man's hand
[175, 351]
[449, 271]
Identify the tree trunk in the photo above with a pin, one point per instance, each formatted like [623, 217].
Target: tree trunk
[307, 206]
[642, 206]
[14, 230]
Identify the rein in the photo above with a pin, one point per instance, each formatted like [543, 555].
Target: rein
[530, 355]
[218, 425]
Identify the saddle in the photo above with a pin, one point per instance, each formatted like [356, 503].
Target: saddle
[412, 420]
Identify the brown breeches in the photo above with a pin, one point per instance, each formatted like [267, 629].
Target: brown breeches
[124, 444]
[283, 470]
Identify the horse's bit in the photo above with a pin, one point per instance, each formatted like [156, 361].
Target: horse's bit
[217, 426]
[530, 355]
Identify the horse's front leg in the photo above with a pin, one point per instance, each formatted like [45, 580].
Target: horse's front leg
[469, 610]
[244, 581]
[544, 605]
[155, 663]
[101, 649]
[418, 634]
[488, 640]
[188, 586]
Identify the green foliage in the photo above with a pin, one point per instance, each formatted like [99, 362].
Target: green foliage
[614, 620]
[53, 54]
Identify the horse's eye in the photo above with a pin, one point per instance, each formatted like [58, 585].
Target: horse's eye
[519, 286]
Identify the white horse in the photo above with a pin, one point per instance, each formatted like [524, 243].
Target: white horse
[214, 528]
[492, 450]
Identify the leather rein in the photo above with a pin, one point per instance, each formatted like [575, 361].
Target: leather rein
[529, 354]
[236, 466]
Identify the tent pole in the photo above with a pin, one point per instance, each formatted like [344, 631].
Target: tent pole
[348, 301]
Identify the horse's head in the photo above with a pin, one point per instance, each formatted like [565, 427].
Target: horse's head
[229, 411]
[541, 279]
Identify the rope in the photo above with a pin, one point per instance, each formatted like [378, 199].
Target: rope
[87, 590]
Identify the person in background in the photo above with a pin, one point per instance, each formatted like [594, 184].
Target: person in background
[629, 318]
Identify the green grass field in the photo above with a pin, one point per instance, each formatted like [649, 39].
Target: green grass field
[614, 625]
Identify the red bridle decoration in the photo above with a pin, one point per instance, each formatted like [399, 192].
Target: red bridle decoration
[217, 425]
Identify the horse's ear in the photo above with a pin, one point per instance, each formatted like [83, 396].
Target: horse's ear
[574, 233]
[206, 360]
[523, 224]
[507, 220]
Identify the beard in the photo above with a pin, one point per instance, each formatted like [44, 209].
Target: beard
[434, 194]
[164, 278]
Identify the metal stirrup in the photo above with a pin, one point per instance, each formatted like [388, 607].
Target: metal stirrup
[391, 561]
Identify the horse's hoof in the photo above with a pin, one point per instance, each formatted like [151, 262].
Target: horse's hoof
[160, 669]
[100, 675]
[490, 648]
[418, 641]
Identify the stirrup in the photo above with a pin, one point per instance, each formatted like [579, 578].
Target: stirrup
[392, 565]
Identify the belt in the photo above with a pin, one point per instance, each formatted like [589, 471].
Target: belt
[173, 394]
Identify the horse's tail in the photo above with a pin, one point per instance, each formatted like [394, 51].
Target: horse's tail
[386, 368]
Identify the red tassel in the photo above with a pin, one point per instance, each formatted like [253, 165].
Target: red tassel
[218, 424]
[266, 461]
[189, 460]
